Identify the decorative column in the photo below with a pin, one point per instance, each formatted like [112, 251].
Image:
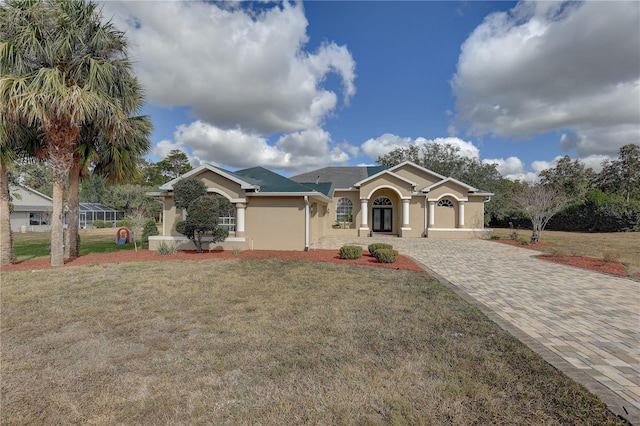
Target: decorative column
[405, 214]
[364, 223]
[406, 224]
[460, 214]
[432, 213]
[240, 219]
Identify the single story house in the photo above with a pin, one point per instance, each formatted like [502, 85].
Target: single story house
[31, 210]
[273, 212]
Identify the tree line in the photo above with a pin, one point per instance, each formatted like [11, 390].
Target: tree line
[568, 196]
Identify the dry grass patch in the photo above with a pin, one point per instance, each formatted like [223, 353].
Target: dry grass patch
[266, 342]
[616, 246]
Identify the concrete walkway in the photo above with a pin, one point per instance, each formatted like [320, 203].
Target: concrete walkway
[584, 323]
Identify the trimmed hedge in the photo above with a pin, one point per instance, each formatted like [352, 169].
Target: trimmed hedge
[377, 246]
[386, 255]
[350, 252]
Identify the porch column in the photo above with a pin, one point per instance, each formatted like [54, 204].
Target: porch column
[432, 213]
[364, 212]
[240, 219]
[405, 214]
[460, 214]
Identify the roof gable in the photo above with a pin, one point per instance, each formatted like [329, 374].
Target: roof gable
[469, 188]
[415, 166]
[382, 173]
[217, 170]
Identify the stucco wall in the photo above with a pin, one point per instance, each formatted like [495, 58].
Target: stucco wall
[275, 223]
[385, 181]
[212, 180]
[415, 175]
[448, 188]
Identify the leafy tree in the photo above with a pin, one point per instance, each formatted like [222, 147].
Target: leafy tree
[175, 164]
[187, 190]
[447, 161]
[64, 67]
[570, 178]
[34, 173]
[202, 219]
[622, 176]
[539, 203]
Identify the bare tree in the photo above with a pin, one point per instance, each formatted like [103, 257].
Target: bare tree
[539, 203]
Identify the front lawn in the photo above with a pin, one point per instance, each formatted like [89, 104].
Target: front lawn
[266, 342]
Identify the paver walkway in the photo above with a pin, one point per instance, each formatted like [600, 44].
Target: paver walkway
[585, 323]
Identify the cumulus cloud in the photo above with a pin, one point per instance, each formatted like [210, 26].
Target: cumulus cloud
[237, 148]
[246, 76]
[546, 66]
[234, 66]
[377, 147]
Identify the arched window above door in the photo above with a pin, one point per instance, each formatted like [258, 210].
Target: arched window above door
[382, 201]
[445, 203]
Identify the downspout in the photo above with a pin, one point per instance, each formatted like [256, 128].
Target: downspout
[306, 223]
[426, 207]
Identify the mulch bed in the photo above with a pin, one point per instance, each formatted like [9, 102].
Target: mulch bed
[584, 262]
[331, 256]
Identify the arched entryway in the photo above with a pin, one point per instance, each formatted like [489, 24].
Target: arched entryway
[382, 214]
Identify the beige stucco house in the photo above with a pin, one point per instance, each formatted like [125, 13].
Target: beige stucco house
[273, 212]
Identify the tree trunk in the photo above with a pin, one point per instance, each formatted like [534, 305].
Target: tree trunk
[72, 248]
[7, 255]
[57, 224]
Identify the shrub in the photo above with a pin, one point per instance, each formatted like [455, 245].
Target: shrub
[495, 237]
[150, 228]
[350, 252]
[165, 249]
[377, 246]
[98, 224]
[125, 223]
[385, 255]
[522, 241]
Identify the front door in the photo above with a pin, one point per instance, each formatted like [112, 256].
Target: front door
[382, 219]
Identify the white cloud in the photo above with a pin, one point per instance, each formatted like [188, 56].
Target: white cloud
[512, 168]
[555, 65]
[387, 142]
[234, 66]
[238, 149]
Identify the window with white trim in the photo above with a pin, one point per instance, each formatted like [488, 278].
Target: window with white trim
[344, 210]
[228, 221]
[445, 203]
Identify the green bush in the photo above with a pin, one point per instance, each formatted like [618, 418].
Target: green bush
[385, 255]
[522, 241]
[150, 228]
[125, 223]
[98, 224]
[350, 252]
[165, 249]
[377, 246]
[495, 237]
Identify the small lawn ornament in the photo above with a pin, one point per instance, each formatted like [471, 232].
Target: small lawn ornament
[123, 236]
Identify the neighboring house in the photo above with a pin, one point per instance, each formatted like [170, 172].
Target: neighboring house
[31, 210]
[272, 212]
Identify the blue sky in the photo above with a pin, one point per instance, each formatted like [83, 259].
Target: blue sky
[298, 86]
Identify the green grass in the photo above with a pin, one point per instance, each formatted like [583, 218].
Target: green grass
[266, 342]
[33, 245]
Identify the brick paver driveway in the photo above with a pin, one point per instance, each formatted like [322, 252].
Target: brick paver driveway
[584, 323]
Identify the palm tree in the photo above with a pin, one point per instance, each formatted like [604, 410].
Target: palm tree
[117, 160]
[63, 68]
[15, 141]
